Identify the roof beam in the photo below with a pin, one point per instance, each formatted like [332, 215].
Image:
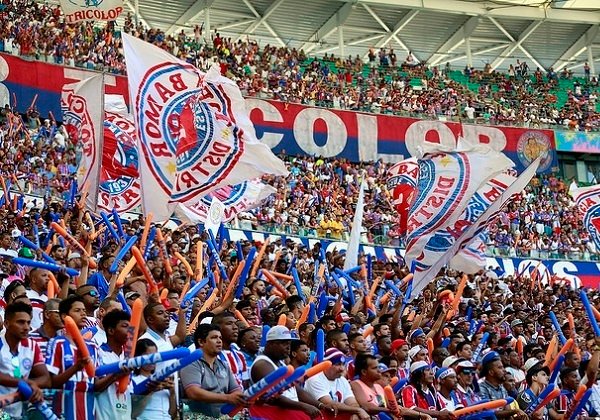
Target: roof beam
[461, 34]
[577, 48]
[140, 17]
[478, 52]
[516, 43]
[393, 34]
[190, 14]
[264, 22]
[493, 9]
[328, 27]
[351, 43]
[272, 7]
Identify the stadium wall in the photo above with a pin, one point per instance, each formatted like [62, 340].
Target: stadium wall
[299, 129]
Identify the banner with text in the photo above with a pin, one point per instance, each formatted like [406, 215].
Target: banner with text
[298, 129]
[82, 10]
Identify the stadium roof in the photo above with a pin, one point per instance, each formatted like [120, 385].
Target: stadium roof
[544, 32]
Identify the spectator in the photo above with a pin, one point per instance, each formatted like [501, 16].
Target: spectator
[208, 382]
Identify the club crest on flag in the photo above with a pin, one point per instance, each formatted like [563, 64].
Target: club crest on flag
[588, 203]
[119, 180]
[164, 92]
[209, 144]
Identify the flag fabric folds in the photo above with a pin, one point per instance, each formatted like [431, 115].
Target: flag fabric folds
[588, 203]
[82, 117]
[236, 199]
[354, 242]
[119, 176]
[447, 182]
[402, 184]
[194, 132]
[470, 230]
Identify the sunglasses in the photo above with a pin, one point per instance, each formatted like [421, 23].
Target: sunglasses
[92, 293]
[468, 372]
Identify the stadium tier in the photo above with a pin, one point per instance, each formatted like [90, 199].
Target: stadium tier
[200, 227]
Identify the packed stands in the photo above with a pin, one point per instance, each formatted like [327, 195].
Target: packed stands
[520, 346]
[382, 83]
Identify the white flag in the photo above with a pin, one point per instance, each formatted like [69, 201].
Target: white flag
[588, 204]
[473, 229]
[82, 116]
[82, 10]
[236, 199]
[194, 131]
[447, 182]
[119, 176]
[352, 250]
[214, 216]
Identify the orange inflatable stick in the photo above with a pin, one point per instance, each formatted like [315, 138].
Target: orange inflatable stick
[125, 272]
[146, 230]
[186, 264]
[132, 336]
[139, 258]
[489, 405]
[73, 331]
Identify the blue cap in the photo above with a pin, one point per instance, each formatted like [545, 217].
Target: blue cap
[490, 357]
[416, 333]
[443, 373]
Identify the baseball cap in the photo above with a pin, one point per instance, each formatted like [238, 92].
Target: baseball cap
[73, 255]
[465, 366]
[333, 355]
[534, 365]
[279, 333]
[443, 372]
[382, 367]
[342, 317]
[449, 361]
[413, 351]
[415, 366]
[416, 333]
[397, 343]
[490, 357]
[516, 322]
[26, 253]
[131, 295]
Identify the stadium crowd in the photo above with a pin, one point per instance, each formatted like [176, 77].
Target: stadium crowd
[77, 300]
[381, 83]
[317, 197]
[465, 340]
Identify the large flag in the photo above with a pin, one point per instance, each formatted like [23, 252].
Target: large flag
[471, 230]
[443, 238]
[194, 131]
[402, 184]
[471, 258]
[236, 199]
[447, 182]
[354, 242]
[82, 116]
[588, 203]
[119, 176]
[82, 10]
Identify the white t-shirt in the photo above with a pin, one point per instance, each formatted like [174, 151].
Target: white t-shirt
[156, 404]
[37, 305]
[320, 386]
[162, 344]
[109, 404]
[470, 111]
